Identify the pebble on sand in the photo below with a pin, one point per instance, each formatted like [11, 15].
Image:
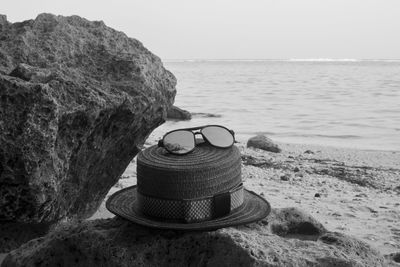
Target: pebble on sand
[264, 143]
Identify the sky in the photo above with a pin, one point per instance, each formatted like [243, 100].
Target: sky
[240, 29]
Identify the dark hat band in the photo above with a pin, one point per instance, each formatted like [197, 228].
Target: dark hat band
[192, 210]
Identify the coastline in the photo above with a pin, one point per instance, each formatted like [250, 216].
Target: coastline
[356, 192]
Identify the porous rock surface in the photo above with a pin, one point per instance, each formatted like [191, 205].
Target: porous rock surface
[77, 100]
[263, 142]
[13, 235]
[116, 242]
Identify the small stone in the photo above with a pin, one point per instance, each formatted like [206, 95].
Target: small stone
[361, 195]
[296, 169]
[372, 210]
[309, 152]
[176, 113]
[317, 195]
[264, 143]
[286, 177]
[395, 257]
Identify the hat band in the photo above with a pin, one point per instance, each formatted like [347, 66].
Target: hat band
[192, 210]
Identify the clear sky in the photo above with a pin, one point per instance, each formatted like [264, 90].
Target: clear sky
[240, 29]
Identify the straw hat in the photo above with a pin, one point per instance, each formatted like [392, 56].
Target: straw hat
[199, 191]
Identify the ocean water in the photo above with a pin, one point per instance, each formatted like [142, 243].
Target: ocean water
[344, 103]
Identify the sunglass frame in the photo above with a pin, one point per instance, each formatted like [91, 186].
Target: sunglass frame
[191, 129]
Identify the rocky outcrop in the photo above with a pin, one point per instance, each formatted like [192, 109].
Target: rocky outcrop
[77, 100]
[264, 143]
[117, 242]
[175, 113]
[13, 235]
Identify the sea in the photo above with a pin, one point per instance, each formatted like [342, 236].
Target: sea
[342, 103]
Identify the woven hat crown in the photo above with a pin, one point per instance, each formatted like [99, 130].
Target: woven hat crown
[204, 172]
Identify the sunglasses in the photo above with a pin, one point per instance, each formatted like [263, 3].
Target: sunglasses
[183, 141]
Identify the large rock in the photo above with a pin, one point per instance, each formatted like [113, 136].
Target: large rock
[77, 100]
[262, 142]
[116, 242]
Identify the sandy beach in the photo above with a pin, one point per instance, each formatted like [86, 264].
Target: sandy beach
[356, 192]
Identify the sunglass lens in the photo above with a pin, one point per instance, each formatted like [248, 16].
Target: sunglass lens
[179, 142]
[218, 136]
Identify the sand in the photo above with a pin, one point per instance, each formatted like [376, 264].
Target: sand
[356, 192]
[351, 191]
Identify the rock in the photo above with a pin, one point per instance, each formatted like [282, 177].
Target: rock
[286, 177]
[3, 23]
[206, 115]
[257, 161]
[2, 256]
[116, 242]
[32, 74]
[293, 221]
[361, 195]
[77, 100]
[317, 195]
[13, 235]
[176, 113]
[309, 152]
[296, 169]
[394, 258]
[352, 247]
[264, 143]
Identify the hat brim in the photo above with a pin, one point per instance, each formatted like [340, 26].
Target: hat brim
[124, 202]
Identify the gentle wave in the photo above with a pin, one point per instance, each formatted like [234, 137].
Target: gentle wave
[292, 134]
[324, 60]
[281, 60]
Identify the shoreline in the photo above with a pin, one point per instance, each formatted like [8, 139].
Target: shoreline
[243, 137]
[353, 191]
